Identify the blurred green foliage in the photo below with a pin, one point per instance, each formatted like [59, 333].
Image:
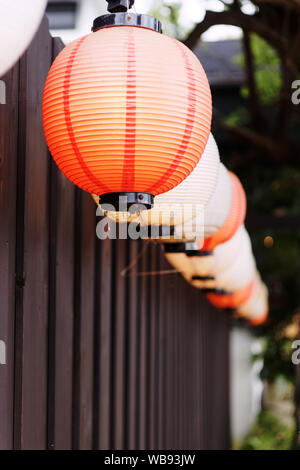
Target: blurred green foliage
[267, 77]
[269, 434]
[279, 193]
[168, 13]
[267, 70]
[276, 355]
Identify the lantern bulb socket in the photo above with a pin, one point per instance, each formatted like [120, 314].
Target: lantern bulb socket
[119, 6]
[203, 278]
[131, 202]
[198, 253]
[122, 18]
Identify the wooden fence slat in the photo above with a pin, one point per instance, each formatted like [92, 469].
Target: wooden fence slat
[64, 314]
[61, 263]
[153, 334]
[8, 188]
[120, 293]
[104, 398]
[132, 385]
[86, 340]
[64, 305]
[143, 312]
[169, 406]
[33, 330]
[161, 360]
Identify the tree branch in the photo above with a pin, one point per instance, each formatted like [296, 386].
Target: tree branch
[255, 110]
[235, 17]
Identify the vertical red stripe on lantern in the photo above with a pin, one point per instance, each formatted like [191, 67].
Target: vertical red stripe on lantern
[189, 125]
[130, 131]
[66, 92]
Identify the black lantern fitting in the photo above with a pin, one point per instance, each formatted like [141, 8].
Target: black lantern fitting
[203, 278]
[119, 6]
[198, 253]
[189, 249]
[120, 16]
[128, 201]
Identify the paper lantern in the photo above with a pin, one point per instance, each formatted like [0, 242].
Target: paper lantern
[218, 207]
[235, 217]
[229, 267]
[214, 216]
[180, 205]
[126, 110]
[216, 212]
[180, 263]
[234, 300]
[19, 21]
[226, 253]
[209, 269]
[242, 270]
[259, 320]
[222, 222]
[256, 309]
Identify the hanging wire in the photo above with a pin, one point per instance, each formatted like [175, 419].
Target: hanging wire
[133, 263]
[135, 260]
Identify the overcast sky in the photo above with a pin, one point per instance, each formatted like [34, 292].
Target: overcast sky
[194, 11]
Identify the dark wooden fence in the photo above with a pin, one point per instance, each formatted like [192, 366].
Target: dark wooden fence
[93, 359]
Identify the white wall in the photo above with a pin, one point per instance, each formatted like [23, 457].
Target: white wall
[88, 11]
[246, 386]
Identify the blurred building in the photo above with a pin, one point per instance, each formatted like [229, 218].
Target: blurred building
[246, 387]
[70, 19]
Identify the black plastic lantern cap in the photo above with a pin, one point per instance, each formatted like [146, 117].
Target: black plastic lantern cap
[230, 312]
[119, 6]
[221, 292]
[127, 201]
[120, 16]
[127, 19]
[186, 248]
[199, 253]
[203, 278]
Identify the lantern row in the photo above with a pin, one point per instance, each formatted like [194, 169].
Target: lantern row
[127, 117]
[212, 252]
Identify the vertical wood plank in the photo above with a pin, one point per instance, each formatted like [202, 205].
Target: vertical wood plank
[64, 314]
[132, 384]
[153, 331]
[64, 304]
[103, 351]
[86, 342]
[161, 359]
[155, 349]
[8, 188]
[32, 316]
[119, 345]
[60, 333]
[143, 307]
[169, 374]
